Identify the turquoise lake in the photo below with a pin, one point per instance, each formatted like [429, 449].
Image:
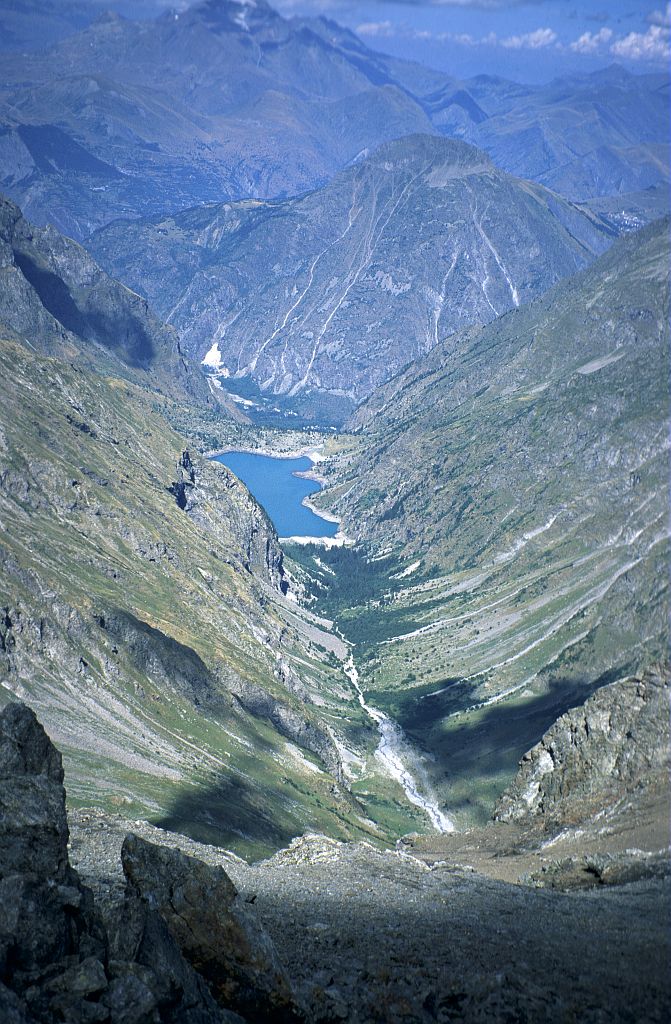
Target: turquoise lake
[273, 484]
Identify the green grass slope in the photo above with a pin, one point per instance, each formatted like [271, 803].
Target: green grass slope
[513, 491]
[141, 616]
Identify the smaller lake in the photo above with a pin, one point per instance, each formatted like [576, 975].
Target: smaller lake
[273, 484]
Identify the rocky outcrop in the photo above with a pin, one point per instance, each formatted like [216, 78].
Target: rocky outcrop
[216, 930]
[611, 746]
[297, 728]
[210, 494]
[54, 294]
[65, 957]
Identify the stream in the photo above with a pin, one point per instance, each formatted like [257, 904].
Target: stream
[400, 759]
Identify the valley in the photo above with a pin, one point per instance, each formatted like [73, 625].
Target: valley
[334, 522]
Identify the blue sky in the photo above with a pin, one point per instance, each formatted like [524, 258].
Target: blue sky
[528, 40]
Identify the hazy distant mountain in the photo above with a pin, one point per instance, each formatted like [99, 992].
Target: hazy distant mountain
[596, 134]
[229, 100]
[338, 290]
[30, 24]
[224, 100]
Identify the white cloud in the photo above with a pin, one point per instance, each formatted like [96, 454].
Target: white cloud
[662, 18]
[592, 42]
[376, 28]
[536, 40]
[652, 45]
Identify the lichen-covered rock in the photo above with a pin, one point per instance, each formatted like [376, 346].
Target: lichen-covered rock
[216, 930]
[616, 741]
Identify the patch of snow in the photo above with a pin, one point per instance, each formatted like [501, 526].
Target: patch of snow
[213, 357]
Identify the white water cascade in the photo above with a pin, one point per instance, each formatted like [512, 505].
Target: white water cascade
[400, 760]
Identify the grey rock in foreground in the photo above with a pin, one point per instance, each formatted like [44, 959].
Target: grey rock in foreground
[376, 937]
[65, 958]
[218, 933]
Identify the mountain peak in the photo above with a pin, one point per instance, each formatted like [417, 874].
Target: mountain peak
[234, 15]
[418, 149]
[108, 17]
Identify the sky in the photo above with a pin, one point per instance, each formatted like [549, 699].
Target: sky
[527, 40]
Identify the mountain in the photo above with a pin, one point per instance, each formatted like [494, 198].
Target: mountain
[32, 24]
[131, 916]
[229, 100]
[55, 295]
[583, 136]
[511, 491]
[143, 616]
[224, 100]
[333, 292]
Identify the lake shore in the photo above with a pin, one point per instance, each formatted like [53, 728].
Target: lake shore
[310, 452]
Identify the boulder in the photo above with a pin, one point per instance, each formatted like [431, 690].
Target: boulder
[33, 826]
[61, 959]
[217, 932]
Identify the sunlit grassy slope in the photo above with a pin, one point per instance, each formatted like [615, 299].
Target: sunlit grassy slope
[151, 639]
[512, 492]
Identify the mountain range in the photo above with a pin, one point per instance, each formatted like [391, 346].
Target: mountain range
[320, 299]
[458, 294]
[130, 118]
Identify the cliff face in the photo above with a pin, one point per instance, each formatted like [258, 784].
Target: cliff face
[215, 499]
[614, 745]
[55, 295]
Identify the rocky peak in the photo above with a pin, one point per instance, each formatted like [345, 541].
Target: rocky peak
[25, 748]
[430, 153]
[34, 830]
[234, 15]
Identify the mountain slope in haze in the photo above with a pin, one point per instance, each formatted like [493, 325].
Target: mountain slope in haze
[516, 481]
[592, 135]
[222, 100]
[55, 295]
[336, 291]
[229, 100]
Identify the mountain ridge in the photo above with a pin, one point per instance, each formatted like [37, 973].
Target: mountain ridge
[156, 115]
[421, 236]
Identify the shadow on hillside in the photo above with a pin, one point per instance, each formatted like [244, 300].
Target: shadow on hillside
[476, 758]
[228, 813]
